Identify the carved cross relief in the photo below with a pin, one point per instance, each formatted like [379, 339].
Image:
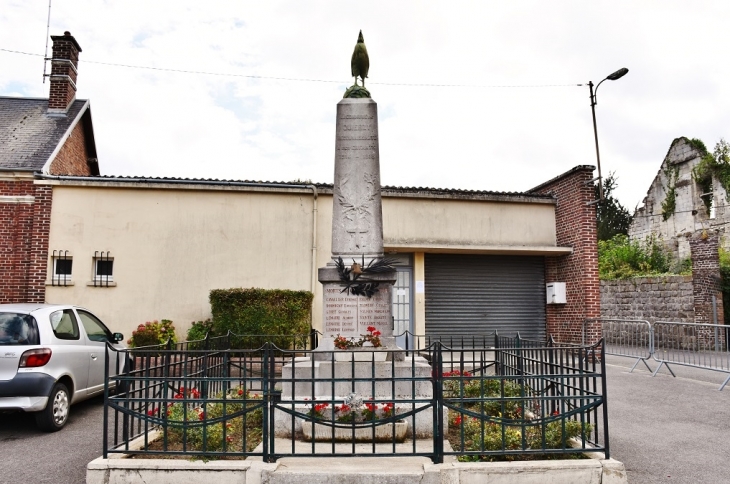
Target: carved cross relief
[356, 202]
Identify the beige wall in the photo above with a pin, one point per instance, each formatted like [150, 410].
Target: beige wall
[172, 244]
[424, 222]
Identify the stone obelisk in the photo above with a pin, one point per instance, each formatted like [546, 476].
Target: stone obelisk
[357, 222]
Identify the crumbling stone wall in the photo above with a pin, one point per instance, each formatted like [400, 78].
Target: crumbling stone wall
[690, 214]
[685, 299]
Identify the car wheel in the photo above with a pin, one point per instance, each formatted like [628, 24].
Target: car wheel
[55, 415]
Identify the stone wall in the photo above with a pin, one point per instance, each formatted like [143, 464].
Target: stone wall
[685, 299]
[669, 298]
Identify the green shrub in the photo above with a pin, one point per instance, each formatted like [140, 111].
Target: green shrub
[621, 258]
[261, 311]
[200, 329]
[153, 333]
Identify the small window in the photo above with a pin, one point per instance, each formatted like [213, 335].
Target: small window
[62, 267]
[18, 329]
[103, 269]
[64, 324]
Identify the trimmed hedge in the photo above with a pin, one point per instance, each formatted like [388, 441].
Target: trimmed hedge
[261, 311]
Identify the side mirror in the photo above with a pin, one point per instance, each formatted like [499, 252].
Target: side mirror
[118, 337]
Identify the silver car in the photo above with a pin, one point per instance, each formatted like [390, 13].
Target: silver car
[52, 356]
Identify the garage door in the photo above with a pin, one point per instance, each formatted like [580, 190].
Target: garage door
[474, 294]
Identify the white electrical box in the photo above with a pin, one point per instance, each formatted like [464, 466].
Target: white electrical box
[555, 293]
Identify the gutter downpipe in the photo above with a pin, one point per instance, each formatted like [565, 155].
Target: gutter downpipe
[315, 196]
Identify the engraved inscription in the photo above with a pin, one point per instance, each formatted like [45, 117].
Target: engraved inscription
[350, 316]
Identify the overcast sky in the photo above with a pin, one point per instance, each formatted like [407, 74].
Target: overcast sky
[246, 125]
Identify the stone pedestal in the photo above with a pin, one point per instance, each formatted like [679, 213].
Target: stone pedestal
[349, 315]
[334, 380]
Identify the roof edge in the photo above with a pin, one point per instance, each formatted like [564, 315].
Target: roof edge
[573, 170]
[62, 141]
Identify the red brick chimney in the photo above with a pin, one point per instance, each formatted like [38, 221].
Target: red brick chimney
[64, 71]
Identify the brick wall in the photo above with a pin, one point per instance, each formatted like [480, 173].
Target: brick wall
[24, 231]
[73, 157]
[575, 222]
[706, 276]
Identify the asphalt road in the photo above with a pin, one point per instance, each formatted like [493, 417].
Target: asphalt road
[28, 455]
[669, 430]
[664, 430]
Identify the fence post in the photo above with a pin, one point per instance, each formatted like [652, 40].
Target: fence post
[105, 435]
[267, 387]
[604, 399]
[437, 371]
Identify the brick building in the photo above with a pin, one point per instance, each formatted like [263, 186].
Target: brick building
[135, 249]
[51, 136]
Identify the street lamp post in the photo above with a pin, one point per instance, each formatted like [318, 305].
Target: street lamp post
[611, 77]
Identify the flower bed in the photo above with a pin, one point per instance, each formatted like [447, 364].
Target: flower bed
[499, 415]
[229, 422]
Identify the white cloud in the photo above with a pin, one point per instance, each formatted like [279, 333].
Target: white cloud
[504, 139]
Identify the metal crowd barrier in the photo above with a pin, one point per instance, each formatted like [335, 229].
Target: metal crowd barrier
[625, 337]
[696, 345]
[703, 346]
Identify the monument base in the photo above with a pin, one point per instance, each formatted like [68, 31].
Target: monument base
[335, 381]
[349, 316]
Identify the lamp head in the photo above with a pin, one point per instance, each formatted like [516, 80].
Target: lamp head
[618, 74]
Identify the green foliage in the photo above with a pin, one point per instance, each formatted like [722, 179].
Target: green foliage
[669, 205]
[200, 329]
[261, 311]
[212, 427]
[510, 421]
[713, 165]
[621, 258]
[612, 218]
[698, 144]
[153, 333]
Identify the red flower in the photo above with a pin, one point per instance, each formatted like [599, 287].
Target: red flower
[240, 392]
[457, 420]
[371, 328]
[152, 412]
[376, 333]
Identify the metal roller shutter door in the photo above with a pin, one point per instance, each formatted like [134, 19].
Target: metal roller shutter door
[475, 294]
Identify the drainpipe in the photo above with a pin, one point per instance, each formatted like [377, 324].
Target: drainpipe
[314, 253]
[314, 236]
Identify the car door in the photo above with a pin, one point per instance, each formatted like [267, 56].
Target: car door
[97, 336]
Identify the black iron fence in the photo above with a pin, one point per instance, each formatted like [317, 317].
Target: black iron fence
[231, 396]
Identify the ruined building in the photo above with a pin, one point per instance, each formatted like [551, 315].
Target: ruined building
[677, 206]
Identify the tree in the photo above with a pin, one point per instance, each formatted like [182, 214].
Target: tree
[611, 217]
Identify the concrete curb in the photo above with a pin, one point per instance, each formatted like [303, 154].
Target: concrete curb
[354, 470]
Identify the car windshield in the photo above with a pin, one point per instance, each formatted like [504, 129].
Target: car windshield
[18, 329]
